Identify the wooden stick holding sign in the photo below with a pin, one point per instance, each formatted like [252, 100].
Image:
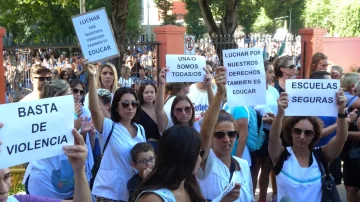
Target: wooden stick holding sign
[246, 84]
[312, 97]
[35, 130]
[95, 35]
[185, 68]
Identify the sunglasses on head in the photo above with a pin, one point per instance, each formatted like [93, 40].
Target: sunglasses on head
[221, 134]
[76, 91]
[298, 131]
[43, 78]
[180, 110]
[133, 103]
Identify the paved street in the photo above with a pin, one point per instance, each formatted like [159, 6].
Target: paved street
[341, 190]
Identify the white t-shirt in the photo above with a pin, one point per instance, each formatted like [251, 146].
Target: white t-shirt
[215, 177]
[126, 83]
[200, 100]
[115, 169]
[271, 104]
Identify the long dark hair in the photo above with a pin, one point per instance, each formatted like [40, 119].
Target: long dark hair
[115, 102]
[177, 99]
[179, 148]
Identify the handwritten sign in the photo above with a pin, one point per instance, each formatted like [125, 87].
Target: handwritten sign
[35, 130]
[312, 97]
[246, 82]
[185, 68]
[95, 35]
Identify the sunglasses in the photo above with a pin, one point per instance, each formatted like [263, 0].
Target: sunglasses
[181, 110]
[220, 134]
[133, 103]
[298, 131]
[76, 91]
[43, 78]
[202, 152]
[290, 67]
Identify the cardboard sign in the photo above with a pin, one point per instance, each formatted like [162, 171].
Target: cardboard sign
[312, 97]
[95, 35]
[185, 68]
[246, 82]
[35, 130]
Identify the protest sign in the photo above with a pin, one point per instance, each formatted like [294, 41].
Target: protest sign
[35, 130]
[185, 68]
[95, 35]
[246, 82]
[312, 97]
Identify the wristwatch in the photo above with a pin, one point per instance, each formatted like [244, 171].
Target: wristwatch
[343, 115]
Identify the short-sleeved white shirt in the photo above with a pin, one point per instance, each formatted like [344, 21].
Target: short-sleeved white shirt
[115, 169]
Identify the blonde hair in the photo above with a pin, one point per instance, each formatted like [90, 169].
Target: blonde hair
[114, 85]
[316, 59]
[349, 80]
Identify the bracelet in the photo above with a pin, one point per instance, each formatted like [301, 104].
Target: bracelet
[342, 115]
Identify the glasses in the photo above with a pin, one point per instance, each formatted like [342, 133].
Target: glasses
[133, 103]
[202, 152]
[221, 134]
[290, 66]
[76, 91]
[146, 161]
[298, 131]
[181, 110]
[43, 78]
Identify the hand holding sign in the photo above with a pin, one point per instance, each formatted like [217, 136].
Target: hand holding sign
[77, 153]
[233, 195]
[341, 101]
[90, 68]
[162, 76]
[283, 103]
[208, 79]
[220, 79]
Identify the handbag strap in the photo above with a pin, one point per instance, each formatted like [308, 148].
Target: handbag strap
[108, 138]
[323, 164]
[232, 168]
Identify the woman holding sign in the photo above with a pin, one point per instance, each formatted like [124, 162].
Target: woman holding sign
[77, 156]
[300, 167]
[122, 134]
[218, 168]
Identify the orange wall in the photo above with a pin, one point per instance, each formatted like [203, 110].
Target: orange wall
[344, 52]
[2, 81]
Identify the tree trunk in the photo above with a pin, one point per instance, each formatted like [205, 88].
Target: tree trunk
[119, 12]
[222, 36]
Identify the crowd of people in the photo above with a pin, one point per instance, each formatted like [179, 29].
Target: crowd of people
[170, 142]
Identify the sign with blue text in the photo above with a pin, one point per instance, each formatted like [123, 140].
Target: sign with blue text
[246, 82]
[312, 97]
[35, 130]
[95, 35]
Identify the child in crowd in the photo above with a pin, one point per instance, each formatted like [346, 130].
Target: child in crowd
[143, 157]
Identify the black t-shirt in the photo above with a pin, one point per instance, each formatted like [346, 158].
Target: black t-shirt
[133, 184]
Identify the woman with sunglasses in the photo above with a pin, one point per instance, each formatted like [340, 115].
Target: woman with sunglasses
[297, 171]
[147, 116]
[285, 68]
[115, 169]
[218, 167]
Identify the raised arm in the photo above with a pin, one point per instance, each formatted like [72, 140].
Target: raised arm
[333, 149]
[96, 113]
[161, 117]
[212, 113]
[275, 143]
[77, 155]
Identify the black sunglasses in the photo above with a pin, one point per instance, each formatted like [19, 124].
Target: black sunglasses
[180, 110]
[126, 104]
[76, 91]
[220, 134]
[298, 131]
[43, 78]
[290, 67]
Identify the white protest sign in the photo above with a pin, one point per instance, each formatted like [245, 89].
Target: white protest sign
[95, 35]
[246, 82]
[312, 97]
[185, 68]
[35, 130]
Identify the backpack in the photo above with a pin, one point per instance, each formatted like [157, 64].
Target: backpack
[256, 135]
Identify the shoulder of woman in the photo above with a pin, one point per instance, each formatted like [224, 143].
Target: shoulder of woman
[149, 197]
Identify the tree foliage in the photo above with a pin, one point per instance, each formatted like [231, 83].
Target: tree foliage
[248, 13]
[193, 19]
[166, 7]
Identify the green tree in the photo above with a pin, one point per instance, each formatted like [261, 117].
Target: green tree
[248, 13]
[193, 19]
[165, 7]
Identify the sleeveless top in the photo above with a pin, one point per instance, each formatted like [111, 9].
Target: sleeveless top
[165, 194]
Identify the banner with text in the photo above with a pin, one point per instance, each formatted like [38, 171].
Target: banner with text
[246, 82]
[35, 130]
[184, 68]
[312, 97]
[95, 35]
